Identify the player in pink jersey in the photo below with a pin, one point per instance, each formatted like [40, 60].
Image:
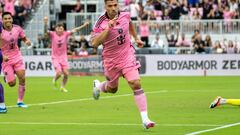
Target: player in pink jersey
[59, 39]
[12, 58]
[113, 30]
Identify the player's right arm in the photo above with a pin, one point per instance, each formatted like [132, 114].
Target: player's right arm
[97, 38]
[46, 32]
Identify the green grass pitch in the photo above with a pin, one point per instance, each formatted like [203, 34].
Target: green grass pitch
[179, 105]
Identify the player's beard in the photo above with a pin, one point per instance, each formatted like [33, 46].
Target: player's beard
[113, 14]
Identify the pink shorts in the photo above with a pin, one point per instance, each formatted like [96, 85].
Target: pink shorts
[60, 64]
[9, 69]
[129, 73]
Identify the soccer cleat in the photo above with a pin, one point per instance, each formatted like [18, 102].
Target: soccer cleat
[62, 89]
[148, 124]
[96, 91]
[54, 84]
[216, 102]
[21, 105]
[3, 110]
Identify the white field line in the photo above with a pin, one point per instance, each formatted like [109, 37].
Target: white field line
[105, 97]
[104, 124]
[86, 99]
[213, 129]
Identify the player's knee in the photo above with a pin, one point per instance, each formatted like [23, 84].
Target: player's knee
[65, 74]
[135, 84]
[59, 74]
[21, 79]
[12, 83]
[113, 90]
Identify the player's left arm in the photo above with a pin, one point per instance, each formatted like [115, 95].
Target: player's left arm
[80, 27]
[23, 36]
[132, 31]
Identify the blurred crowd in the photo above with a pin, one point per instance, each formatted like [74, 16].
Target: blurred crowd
[198, 44]
[20, 9]
[170, 38]
[183, 9]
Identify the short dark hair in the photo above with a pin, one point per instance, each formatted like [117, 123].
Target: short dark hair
[6, 13]
[60, 25]
[108, 0]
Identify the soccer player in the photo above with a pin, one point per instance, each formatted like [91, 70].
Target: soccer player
[3, 108]
[222, 101]
[59, 39]
[113, 30]
[12, 58]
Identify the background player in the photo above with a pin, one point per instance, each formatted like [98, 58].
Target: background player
[222, 101]
[59, 39]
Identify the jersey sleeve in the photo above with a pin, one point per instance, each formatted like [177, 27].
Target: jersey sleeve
[21, 32]
[51, 33]
[97, 29]
[68, 33]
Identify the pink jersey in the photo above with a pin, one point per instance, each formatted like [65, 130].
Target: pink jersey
[9, 6]
[10, 43]
[117, 47]
[227, 15]
[144, 30]
[59, 44]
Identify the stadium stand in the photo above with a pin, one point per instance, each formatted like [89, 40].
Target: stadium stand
[219, 20]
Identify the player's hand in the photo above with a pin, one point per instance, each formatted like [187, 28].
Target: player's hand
[86, 23]
[28, 42]
[140, 43]
[30, 47]
[45, 20]
[5, 58]
[112, 22]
